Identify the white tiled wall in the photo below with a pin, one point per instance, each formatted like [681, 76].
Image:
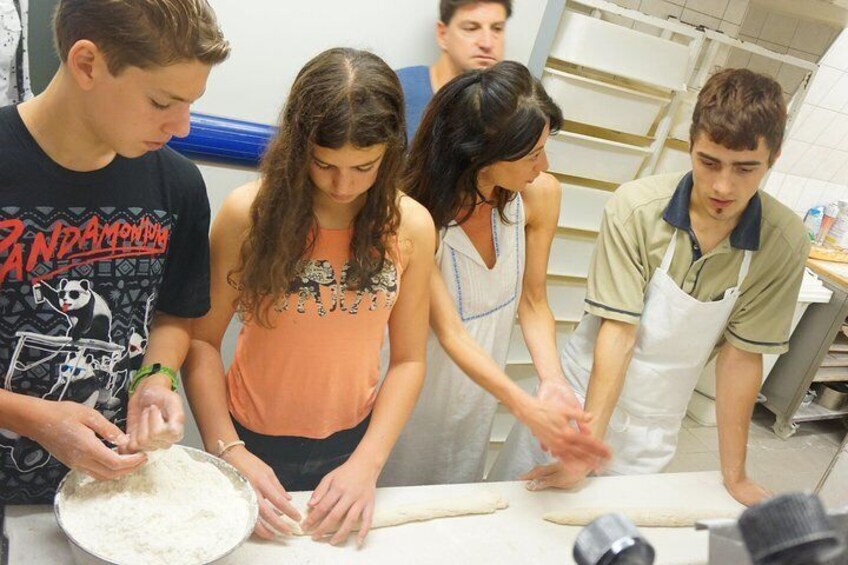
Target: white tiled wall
[752, 22]
[813, 168]
[785, 34]
[720, 15]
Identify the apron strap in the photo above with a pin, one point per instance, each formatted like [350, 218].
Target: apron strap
[669, 253]
[743, 270]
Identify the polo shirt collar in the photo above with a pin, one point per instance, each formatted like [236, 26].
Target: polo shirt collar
[746, 234]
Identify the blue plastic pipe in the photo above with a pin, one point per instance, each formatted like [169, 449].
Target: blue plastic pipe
[224, 140]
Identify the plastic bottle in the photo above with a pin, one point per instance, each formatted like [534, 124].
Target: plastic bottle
[830, 213]
[835, 237]
[813, 220]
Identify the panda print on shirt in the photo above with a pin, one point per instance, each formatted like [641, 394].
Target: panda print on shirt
[77, 296]
[87, 312]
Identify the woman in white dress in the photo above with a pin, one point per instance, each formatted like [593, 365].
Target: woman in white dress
[476, 164]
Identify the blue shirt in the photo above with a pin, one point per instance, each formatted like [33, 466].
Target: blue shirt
[417, 92]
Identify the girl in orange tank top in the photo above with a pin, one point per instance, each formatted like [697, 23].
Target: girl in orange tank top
[318, 257]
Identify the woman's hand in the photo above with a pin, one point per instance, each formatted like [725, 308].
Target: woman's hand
[556, 475]
[343, 499]
[274, 501]
[549, 416]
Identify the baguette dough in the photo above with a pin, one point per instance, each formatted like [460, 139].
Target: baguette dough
[483, 502]
[659, 517]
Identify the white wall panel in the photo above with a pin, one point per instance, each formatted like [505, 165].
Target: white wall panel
[672, 160]
[594, 158]
[566, 299]
[620, 51]
[603, 104]
[582, 207]
[571, 255]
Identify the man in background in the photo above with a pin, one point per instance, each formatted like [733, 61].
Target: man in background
[470, 34]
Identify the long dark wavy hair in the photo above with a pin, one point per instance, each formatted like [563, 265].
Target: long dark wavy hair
[341, 96]
[477, 119]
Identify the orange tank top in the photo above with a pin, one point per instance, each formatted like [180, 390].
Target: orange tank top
[315, 372]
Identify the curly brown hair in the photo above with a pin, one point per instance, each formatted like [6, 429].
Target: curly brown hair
[341, 96]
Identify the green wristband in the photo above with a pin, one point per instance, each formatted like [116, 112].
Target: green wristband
[155, 368]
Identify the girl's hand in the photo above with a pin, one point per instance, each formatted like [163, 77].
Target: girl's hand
[274, 501]
[344, 499]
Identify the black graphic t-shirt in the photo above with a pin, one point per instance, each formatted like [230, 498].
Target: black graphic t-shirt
[85, 261]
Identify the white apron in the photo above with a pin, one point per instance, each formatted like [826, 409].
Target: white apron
[676, 335]
[447, 436]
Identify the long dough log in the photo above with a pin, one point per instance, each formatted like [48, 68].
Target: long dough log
[660, 517]
[483, 502]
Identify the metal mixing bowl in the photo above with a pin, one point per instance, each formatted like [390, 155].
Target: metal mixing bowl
[83, 556]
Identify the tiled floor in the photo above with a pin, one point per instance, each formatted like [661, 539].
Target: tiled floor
[780, 465]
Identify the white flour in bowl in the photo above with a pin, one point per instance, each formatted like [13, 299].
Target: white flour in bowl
[174, 510]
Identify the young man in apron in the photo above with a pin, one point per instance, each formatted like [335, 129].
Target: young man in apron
[686, 266]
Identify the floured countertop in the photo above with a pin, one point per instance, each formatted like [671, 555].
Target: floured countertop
[517, 534]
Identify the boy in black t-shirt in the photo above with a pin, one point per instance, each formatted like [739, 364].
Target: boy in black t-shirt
[103, 243]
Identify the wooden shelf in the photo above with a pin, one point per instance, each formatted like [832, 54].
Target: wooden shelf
[577, 232]
[609, 135]
[573, 279]
[678, 144]
[835, 359]
[840, 344]
[831, 375]
[584, 182]
[594, 74]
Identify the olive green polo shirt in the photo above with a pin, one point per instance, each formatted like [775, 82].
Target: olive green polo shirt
[638, 223]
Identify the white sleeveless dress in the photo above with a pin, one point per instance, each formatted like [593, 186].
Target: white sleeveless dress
[446, 439]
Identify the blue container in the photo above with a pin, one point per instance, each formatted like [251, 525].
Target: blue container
[224, 140]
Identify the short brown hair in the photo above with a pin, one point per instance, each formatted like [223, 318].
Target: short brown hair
[736, 107]
[447, 8]
[141, 33]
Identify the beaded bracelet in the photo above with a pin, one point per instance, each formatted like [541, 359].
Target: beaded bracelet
[223, 448]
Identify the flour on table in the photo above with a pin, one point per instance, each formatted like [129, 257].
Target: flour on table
[482, 502]
[659, 517]
[173, 510]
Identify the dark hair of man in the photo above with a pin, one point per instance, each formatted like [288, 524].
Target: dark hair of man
[737, 107]
[447, 8]
[477, 119]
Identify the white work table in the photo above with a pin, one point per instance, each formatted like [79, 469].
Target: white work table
[516, 535]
